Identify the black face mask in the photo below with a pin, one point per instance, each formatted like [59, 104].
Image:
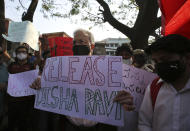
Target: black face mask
[81, 50]
[170, 71]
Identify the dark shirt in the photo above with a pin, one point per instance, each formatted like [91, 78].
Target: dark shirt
[15, 67]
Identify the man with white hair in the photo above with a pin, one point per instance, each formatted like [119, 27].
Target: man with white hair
[83, 44]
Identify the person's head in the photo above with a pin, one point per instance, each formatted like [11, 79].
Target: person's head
[21, 53]
[171, 55]
[126, 51]
[83, 43]
[139, 58]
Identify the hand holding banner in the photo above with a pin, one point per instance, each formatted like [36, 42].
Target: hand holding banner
[82, 87]
[18, 84]
[136, 81]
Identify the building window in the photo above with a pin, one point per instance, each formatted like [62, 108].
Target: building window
[112, 53]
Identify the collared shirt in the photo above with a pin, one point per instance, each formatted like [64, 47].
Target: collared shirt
[171, 111]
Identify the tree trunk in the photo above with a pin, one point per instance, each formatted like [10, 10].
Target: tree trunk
[2, 21]
[30, 12]
[146, 22]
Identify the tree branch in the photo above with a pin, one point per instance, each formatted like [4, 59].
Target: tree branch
[22, 5]
[30, 12]
[158, 22]
[108, 17]
[2, 9]
[2, 21]
[139, 3]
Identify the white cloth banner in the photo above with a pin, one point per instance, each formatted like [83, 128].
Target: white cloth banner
[18, 84]
[23, 32]
[82, 87]
[136, 81]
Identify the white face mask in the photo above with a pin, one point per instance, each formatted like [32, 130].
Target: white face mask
[21, 56]
[128, 61]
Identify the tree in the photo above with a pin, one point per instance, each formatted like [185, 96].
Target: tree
[2, 21]
[26, 16]
[138, 32]
[30, 12]
[145, 24]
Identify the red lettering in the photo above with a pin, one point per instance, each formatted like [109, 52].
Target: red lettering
[44, 69]
[51, 68]
[60, 71]
[72, 70]
[111, 72]
[87, 71]
[100, 81]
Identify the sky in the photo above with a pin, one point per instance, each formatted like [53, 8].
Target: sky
[44, 25]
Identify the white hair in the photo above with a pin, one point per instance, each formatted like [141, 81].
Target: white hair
[90, 35]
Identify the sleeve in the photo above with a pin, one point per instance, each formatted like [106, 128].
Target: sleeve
[146, 113]
[11, 60]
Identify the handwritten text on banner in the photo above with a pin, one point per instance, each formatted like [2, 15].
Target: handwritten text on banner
[83, 87]
[18, 84]
[136, 81]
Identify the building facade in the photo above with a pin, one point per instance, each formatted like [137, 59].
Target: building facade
[111, 44]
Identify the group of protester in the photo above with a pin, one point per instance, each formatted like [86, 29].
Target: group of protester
[164, 107]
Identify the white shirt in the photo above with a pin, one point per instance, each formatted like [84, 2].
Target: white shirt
[171, 111]
[81, 121]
